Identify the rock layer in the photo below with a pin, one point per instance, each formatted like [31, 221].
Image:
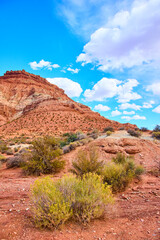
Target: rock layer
[29, 103]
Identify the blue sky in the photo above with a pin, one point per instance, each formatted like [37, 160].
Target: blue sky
[103, 53]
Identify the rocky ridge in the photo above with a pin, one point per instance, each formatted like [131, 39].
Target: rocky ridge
[29, 103]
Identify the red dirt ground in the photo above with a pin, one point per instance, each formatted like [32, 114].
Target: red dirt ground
[135, 215]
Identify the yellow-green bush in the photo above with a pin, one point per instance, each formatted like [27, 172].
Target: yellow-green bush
[49, 207]
[87, 161]
[120, 172]
[81, 199]
[108, 133]
[44, 157]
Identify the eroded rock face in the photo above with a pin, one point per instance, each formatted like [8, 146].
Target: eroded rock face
[145, 152]
[29, 103]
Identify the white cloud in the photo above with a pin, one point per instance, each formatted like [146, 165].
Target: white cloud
[43, 64]
[101, 107]
[76, 70]
[130, 38]
[115, 113]
[135, 117]
[110, 87]
[71, 88]
[85, 16]
[148, 104]
[157, 109]
[154, 88]
[55, 65]
[125, 91]
[128, 113]
[124, 106]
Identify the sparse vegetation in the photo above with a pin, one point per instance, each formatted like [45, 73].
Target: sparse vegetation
[111, 129]
[87, 162]
[134, 133]
[44, 157]
[156, 135]
[82, 199]
[157, 128]
[120, 172]
[144, 129]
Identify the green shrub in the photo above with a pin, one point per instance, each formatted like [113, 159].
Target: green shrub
[120, 158]
[108, 133]
[44, 157]
[144, 129]
[156, 135]
[120, 172]
[157, 128]
[3, 146]
[134, 133]
[87, 162]
[2, 159]
[111, 129]
[81, 199]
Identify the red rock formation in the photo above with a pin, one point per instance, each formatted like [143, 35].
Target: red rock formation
[30, 103]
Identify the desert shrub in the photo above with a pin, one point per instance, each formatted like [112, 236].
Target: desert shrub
[68, 138]
[49, 206]
[108, 133]
[87, 161]
[2, 159]
[81, 136]
[66, 149]
[121, 128]
[134, 133]
[111, 129]
[157, 128]
[73, 145]
[156, 135]
[3, 146]
[120, 172]
[144, 129]
[82, 199]
[14, 162]
[44, 157]
[9, 152]
[120, 158]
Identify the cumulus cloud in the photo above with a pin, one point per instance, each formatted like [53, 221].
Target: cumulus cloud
[76, 70]
[148, 104]
[135, 117]
[124, 106]
[157, 109]
[115, 113]
[110, 87]
[101, 107]
[154, 88]
[71, 88]
[130, 38]
[43, 64]
[125, 91]
[128, 113]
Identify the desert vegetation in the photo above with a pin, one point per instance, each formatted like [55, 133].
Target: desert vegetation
[81, 199]
[44, 157]
[134, 133]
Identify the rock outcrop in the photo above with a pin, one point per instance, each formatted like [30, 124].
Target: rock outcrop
[29, 103]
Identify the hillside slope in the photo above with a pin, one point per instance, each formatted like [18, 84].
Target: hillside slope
[29, 103]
